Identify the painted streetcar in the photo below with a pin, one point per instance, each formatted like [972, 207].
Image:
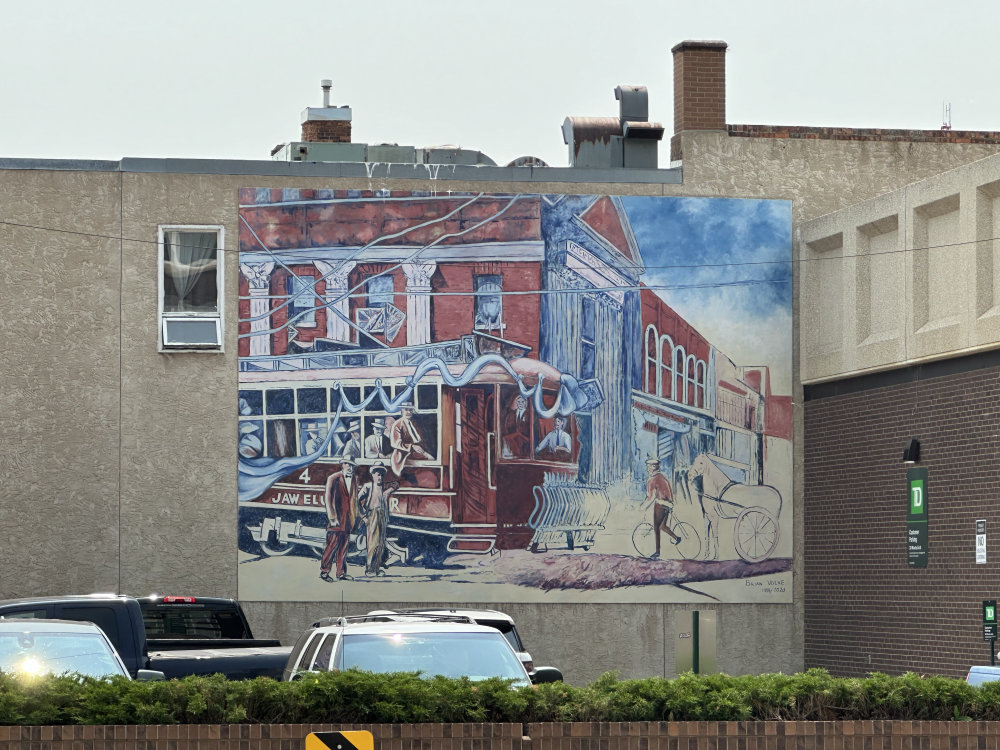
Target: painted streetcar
[477, 481]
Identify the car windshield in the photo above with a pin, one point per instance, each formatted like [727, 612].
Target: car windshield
[477, 656]
[34, 654]
[980, 675]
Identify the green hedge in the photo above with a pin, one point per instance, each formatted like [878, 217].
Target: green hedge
[363, 698]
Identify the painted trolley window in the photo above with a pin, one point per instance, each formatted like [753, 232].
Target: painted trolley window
[289, 420]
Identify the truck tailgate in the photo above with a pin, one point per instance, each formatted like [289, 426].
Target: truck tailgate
[234, 663]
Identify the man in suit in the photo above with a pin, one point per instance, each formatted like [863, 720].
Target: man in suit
[375, 443]
[516, 430]
[341, 502]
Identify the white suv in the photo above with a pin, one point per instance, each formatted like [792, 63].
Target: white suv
[432, 644]
[489, 617]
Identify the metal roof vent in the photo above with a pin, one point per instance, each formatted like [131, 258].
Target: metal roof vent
[633, 103]
[629, 140]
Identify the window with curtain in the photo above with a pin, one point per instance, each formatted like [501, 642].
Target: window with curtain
[190, 278]
[191, 261]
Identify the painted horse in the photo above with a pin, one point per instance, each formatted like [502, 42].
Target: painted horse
[756, 508]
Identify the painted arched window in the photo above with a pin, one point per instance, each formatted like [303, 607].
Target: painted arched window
[690, 380]
[652, 377]
[680, 384]
[666, 371]
[699, 388]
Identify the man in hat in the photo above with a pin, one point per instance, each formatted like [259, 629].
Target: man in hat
[352, 447]
[375, 443]
[374, 504]
[658, 493]
[404, 437]
[314, 439]
[341, 503]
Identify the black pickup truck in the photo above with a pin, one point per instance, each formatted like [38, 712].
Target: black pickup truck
[176, 635]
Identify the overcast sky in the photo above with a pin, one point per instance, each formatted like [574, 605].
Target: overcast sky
[226, 79]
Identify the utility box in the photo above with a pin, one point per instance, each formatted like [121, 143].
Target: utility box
[694, 642]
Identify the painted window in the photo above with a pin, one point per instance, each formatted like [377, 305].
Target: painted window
[659, 364]
[290, 420]
[379, 291]
[649, 384]
[302, 300]
[690, 377]
[665, 379]
[489, 302]
[190, 287]
[588, 338]
[680, 383]
[700, 376]
[516, 418]
[732, 445]
[558, 439]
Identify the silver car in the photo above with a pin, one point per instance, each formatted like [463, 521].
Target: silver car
[34, 648]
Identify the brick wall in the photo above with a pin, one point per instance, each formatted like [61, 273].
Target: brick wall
[863, 134]
[693, 735]
[865, 610]
[699, 89]
[326, 131]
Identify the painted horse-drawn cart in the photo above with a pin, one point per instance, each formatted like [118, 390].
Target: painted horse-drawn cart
[756, 509]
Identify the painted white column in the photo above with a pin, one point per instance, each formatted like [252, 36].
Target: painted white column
[418, 302]
[338, 326]
[258, 276]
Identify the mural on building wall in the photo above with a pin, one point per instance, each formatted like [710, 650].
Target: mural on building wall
[482, 397]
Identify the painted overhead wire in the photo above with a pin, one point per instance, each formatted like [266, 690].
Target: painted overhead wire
[793, 261]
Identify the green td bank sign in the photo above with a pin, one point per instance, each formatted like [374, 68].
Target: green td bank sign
[916, 518]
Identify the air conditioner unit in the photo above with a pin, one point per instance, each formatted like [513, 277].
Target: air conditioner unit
[192, 333]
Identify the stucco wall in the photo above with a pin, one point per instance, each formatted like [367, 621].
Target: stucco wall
[59, 399]
[818, 176]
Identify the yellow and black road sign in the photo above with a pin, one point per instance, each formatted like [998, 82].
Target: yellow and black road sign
[340, 741]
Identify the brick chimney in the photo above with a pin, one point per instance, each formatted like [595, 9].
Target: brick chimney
[699, 89]
[326, 124]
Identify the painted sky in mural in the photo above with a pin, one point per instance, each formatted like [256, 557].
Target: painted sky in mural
[478, 397]
[724, 264]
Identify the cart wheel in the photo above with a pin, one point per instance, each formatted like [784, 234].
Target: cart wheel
[690, 544]
[274, 547]
[642, 539]
[756, 534]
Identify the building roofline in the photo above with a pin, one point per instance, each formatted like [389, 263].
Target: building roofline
[362, 170]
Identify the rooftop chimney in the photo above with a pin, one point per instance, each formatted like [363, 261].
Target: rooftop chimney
[326, 124]
[699, 89]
